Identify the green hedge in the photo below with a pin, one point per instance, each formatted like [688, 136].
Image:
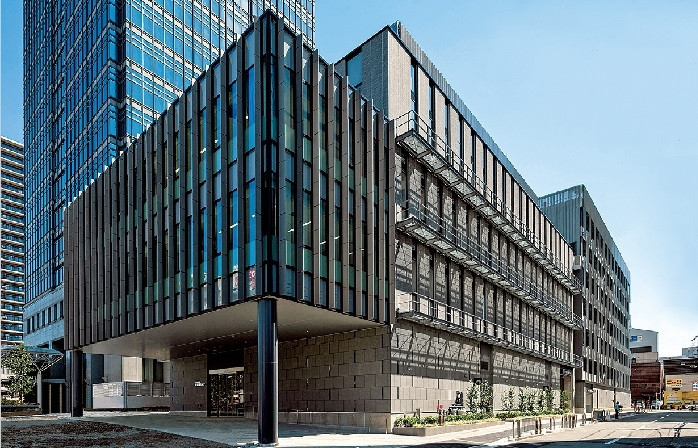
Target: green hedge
[432, 420]
[515, 414]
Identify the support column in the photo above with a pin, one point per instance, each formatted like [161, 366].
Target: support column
[267, 372]
[77, 384]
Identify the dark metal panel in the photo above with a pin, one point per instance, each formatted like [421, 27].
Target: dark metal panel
[241, 171]
[98, 252]
[133, 208]
[343, 92]
[194, 306]
[331, 253]
[382, 275]
[115, 242]
[371, 199]
[169, 274]
[207, 302]
[89, 246]
[298, 74]
[125, 210]
[144, 223]
[68, 273]
[225, 181]
[77, 277]
[391, 221]
[149, 230]
[181, 298]
[160, 144]
[358, 230]
[315, 133]
[281, 88]
[80, 309]
[107, 249]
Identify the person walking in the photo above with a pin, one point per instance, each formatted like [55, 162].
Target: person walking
[616, 408]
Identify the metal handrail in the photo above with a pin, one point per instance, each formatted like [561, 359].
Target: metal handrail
[410, 121]
[435, 310]
[465, 242]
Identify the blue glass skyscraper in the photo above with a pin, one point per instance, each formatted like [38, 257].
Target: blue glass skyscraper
[96, 72]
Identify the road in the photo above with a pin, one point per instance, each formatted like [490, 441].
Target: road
[659, 429]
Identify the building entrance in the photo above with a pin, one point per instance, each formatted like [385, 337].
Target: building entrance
[226, 392]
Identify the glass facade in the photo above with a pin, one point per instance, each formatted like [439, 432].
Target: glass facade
[11, 240]
[257, 186]
[97, 73]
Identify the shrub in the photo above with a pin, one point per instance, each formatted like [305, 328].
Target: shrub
[407, 422]
[486, 398]
[430, 420]
[564, 400]
[472, 397]
[508, 400]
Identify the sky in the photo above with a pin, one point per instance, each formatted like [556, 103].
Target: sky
[600, 93]
[603, 93]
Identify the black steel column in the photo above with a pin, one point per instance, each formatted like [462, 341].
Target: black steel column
[267, 372]
[77, 384]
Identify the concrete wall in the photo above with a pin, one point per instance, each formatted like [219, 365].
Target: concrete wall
[428, 366]
[185, 373]
[344, 372]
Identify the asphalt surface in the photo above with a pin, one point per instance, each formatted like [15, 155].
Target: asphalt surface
[659, 429]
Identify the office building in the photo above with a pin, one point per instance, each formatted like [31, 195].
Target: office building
[472, 246]
[646, 370]
[96, 73]
[680, 382]
[643, 341]
[275, 231]
[604, 343]
[11, 240]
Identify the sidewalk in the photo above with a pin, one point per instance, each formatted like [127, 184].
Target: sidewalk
[238, 431]
[235, 431]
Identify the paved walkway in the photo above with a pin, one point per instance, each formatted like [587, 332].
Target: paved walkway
[238, 431]
[233, 431]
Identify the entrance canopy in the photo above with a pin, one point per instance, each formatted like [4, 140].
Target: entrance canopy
[43, 358]
[226, 328]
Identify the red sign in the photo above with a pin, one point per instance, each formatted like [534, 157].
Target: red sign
[252, 278]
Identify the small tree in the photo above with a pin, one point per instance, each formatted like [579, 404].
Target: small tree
[486, 398]
[564, 400]
[549, 397]
[22, 371]
[472, 397]
[508, 399]
[523, 400]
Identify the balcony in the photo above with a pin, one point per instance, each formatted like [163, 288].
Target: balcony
[426, 311]
[419, 222]
[413, 134]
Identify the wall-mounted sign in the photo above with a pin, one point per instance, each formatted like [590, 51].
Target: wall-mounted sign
[694, 386]
[199, 384]
[674, 383]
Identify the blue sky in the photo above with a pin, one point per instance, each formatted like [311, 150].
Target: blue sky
[603, 93]
[599, 93]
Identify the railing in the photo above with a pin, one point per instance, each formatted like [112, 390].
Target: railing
[464, 242]
[8, 307]
[13, 208]
[17, 199]
[13, 188]
[419, 308]
[130, 395]
[412, 122]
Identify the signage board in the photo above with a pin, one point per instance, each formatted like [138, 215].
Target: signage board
[671, 383]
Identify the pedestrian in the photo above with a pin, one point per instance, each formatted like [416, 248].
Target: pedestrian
[616, 408]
